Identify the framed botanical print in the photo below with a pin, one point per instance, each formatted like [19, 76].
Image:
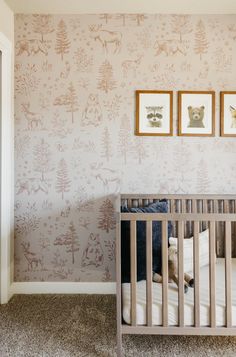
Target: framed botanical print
[196, 113]
[228, 113]
[154, 113]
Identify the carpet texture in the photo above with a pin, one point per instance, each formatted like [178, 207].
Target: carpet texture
[84, 325]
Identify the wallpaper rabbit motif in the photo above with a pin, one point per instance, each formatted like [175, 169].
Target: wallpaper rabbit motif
[75, 78]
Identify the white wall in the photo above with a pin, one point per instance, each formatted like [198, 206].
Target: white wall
[7, 30]
[6, 21]
[123, 6]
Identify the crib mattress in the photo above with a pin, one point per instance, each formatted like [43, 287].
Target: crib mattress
[188, 300]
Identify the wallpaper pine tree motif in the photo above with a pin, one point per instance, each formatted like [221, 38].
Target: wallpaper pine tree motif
[75, 148]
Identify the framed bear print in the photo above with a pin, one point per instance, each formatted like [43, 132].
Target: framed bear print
[228, 113]
[196, 113]
[154, 113]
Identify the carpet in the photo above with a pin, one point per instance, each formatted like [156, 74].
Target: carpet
[85, 325]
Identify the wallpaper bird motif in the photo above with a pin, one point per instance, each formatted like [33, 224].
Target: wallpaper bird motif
[75, 148]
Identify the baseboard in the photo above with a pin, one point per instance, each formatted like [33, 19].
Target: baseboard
[62, 288]
[10, 295]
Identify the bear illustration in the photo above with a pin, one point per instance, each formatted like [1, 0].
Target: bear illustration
[233, 115]
[92, 114]
[196, 116]
[93, 253]
[155, 116]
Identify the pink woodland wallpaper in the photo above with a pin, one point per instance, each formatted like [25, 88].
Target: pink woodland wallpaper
[75, 79]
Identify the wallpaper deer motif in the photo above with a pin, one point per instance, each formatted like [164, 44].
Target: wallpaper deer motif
[75, 77]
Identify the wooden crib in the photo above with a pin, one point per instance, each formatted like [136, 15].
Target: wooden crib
[189, 215]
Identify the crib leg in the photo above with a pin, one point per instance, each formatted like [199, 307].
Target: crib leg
[119, 343]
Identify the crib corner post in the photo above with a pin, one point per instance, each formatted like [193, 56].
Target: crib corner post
[118, 285]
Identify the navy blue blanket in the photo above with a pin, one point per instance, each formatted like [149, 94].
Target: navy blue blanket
[157, 207]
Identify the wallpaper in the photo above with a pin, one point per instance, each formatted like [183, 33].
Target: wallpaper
[75, 148]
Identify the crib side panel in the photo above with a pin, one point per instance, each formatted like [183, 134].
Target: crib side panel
[192, 204]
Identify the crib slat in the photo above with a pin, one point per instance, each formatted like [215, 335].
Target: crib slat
[226, 206]
[200, 210]
[194, 206]
[228, 274]
[164, 274]
[196, 275]
[226, 209]
[178, 206]
[129, 203]
[221, 232]
[172, 209]
[172, 206]
[133, 259]
[212, 253]
[234, 241]
[194, 210]
[216, 209]
[205, 209]
[188, 223]
[149, 272]
[181, 272]
[183, 210]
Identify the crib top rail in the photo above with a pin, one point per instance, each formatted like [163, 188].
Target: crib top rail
[178, 196]
[178, 217]
[178, 203]
[187, 208]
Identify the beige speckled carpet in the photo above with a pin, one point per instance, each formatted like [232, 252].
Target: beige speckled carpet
[84, 325]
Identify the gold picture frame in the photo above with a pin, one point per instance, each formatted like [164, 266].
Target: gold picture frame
[196, 113]
[228, 113]
[154, 113]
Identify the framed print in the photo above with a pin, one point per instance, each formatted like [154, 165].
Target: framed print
[228, 113]
[196, 113]
[154, 112]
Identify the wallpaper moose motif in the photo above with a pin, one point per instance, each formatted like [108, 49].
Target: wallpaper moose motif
[75, 77]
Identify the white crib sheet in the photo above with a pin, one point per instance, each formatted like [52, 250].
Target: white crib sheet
[188, 300]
